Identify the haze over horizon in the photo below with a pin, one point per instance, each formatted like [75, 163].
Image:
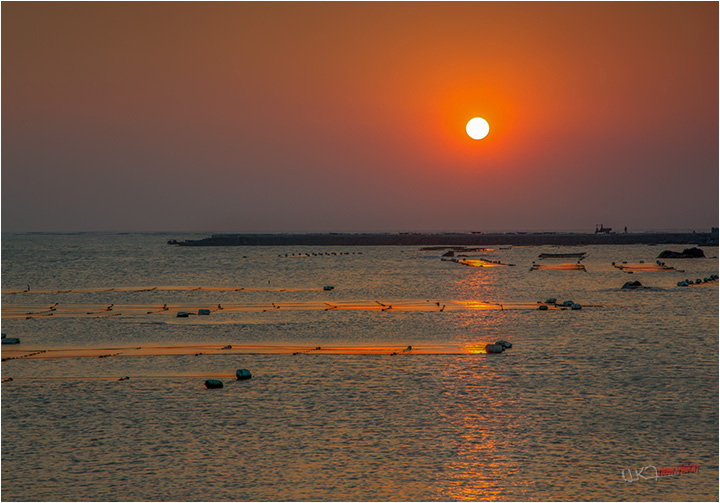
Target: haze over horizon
[350, 117]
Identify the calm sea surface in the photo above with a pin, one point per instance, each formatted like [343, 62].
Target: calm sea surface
[584, 399]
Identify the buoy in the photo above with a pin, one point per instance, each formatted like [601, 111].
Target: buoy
[575, 307]
[494, 348]
[10, 340]
[505, 344]
[543, 308]
[328, 288]
[213, 383]
[203, 312]
[183, 314]
[568, 303]
[242, 374]
[551, 300]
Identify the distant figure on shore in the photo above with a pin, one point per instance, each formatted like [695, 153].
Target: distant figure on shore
[626, 229]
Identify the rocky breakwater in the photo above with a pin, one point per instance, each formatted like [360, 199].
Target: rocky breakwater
[447, 239]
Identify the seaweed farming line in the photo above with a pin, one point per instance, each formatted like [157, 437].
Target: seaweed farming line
[643, 267]
[18, 311]
[159, 289]
[218, 349]
[204, 375]
[479, 262]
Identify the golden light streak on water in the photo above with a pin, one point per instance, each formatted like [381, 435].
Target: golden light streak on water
[159, 289]
[644, 267]
[11, 352]
[481, 263]
[64, 310]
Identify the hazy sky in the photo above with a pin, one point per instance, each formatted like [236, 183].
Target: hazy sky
[351, 116]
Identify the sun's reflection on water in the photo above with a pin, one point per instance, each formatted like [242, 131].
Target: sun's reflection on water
[477, 417]
[481, 407]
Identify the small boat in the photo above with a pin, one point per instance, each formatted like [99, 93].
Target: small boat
[558, 267]
[563, 255]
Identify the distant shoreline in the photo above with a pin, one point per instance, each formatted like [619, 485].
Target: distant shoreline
[453, 239]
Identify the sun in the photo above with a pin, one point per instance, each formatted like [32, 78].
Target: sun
[477, 128]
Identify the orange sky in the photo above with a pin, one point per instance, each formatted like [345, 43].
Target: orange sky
[350, 116]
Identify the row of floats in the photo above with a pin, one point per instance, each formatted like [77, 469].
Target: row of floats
[566, 304]
[689, 282]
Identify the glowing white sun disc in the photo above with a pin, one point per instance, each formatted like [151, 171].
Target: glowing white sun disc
[477, 128]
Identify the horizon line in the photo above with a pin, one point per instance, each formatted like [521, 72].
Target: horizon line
[685, 230]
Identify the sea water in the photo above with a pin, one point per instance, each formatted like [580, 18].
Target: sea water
[582, 407]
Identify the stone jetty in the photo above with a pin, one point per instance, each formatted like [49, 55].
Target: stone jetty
[457, 239]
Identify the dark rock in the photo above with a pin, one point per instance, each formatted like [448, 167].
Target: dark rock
[631, 285]
[686, 253]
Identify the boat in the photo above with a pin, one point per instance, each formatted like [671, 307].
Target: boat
[563, 255]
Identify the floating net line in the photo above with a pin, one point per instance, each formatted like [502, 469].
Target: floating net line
[644, 267]
[8, 291]
[29, 311]
[228, 349]
[481, 263]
